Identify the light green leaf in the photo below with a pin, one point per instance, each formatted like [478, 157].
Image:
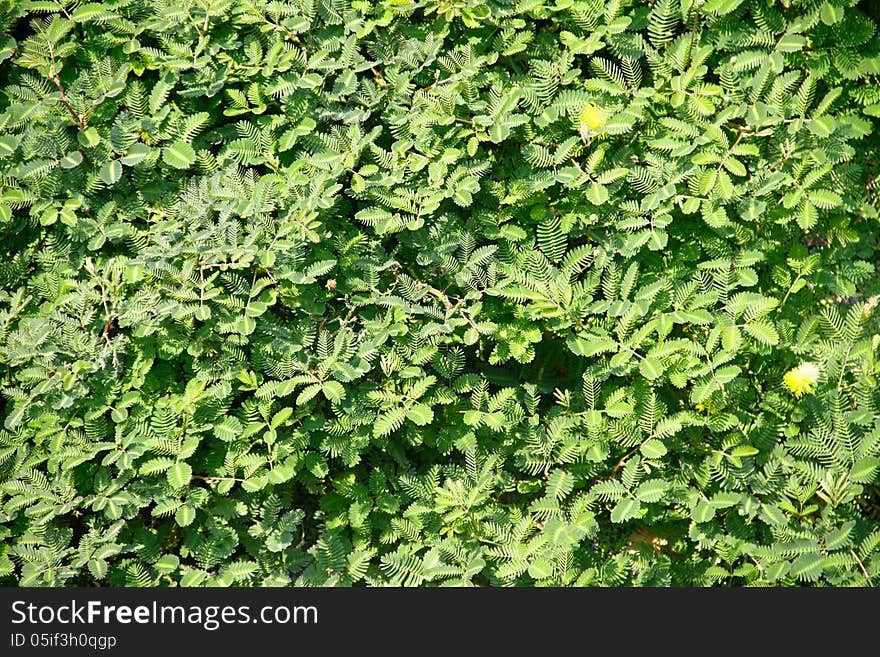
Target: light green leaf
[703, 512]
[228, 429]
[597, 194]
[8, 144]
[791, 43]
[653, 449]
[111, 172]
[179, 155]
[308, 393]
[420, 414]
[864, 470]
[726, 374]
[651, 368]
[773, 514]
[333, 391]
[626, 509]
[167, 563]
[185, 515]
[807, 567]
[89, 137]
[830, 13]
[540, 569]
[179, 475]
[72, 160]
[652, 490]
[763, 331]
[136, 154]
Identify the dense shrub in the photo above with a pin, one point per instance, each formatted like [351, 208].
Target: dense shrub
[502, 292]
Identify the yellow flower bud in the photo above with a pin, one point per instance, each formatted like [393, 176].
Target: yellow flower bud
[592, 117]
[801, 379]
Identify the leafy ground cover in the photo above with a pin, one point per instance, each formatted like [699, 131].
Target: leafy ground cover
[458, 292]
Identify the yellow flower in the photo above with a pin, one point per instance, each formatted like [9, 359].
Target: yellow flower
[592, 117]
[708, 407]
[801, 379]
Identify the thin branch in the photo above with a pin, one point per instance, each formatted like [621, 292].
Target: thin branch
[208, 478]
[79, 119]
[843, 367]
[861, 567]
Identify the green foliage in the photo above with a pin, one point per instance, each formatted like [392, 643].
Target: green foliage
[459, 292]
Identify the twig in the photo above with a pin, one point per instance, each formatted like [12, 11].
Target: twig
[694, 34]
[64, 11]
[53, 73]
[440, 295]
[208, 478]
[110, 314]
[730, 150]
[787, 294]
[843, 367]
[201, 286]
[861, 567]
[625, 457]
